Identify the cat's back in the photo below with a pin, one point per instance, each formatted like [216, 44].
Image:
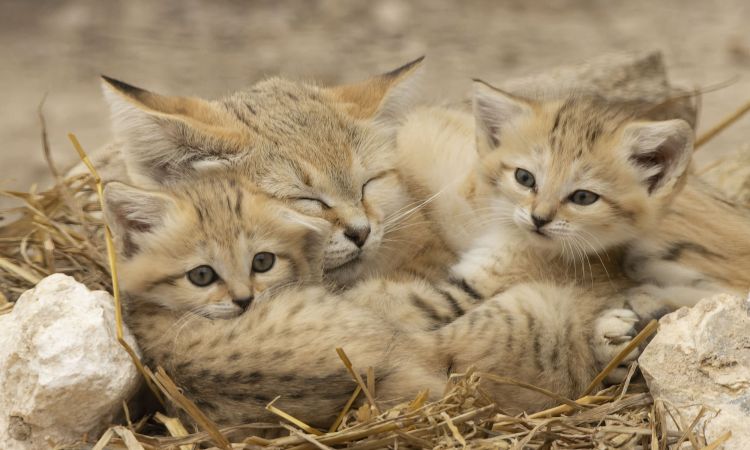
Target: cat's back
[436, 146]
[708, 233]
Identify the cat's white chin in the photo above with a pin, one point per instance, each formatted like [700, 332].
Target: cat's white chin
[345, 273]
[543, 241]
[221, 311]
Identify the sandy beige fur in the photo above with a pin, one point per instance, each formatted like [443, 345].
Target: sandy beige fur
[674, 234]
[634, 159]
[326, 151]
[233, 360]
[701, 247]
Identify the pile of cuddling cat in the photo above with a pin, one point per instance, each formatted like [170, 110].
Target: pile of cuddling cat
[530, 239]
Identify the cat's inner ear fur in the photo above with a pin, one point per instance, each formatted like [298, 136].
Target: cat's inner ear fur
[385, 98]
[165, 137]
[130, 211]
[494, 111]
[660, 151]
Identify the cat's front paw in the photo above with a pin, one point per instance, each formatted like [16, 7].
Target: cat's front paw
[613, 331]
[482, 269]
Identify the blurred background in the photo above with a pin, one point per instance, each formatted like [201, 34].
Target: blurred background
[189, 47]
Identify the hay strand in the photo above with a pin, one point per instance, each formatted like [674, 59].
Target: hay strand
[173, 392]
[358, 378]
[722, 125]
[647, 331]
[175, 428]
[288, 417]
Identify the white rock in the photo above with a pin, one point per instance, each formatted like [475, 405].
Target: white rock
[62, 372]
[701, 356]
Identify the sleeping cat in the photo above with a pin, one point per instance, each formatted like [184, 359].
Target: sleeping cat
[222, 288]
[558, 189]
[328, 152]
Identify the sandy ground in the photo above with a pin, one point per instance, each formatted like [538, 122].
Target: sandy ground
[211, 48]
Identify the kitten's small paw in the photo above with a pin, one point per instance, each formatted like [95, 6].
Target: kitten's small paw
[613, 331]
[483, 268]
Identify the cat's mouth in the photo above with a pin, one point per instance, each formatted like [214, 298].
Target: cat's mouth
[355, 259]
[541, 233]
[344, 261]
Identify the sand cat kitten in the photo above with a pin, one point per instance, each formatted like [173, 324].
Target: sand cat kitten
[549, 189]
[221, 287]
[326, 151]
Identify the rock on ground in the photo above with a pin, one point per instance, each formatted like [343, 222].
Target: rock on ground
[701, 356]
[62, 372]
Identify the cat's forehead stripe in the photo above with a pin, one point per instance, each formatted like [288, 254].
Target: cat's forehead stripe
[580, 122]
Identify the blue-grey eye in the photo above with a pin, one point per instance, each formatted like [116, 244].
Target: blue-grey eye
[525, 178]
[581, 197]
[202, 276]
[263, 261]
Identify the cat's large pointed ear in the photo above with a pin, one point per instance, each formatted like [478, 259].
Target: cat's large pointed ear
[131, 211]
[660, 151]
[494, 112]
[386, 97]
[162, 137]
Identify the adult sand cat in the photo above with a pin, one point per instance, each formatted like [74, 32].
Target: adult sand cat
[557, 189]
[221, 285]
[326, 151]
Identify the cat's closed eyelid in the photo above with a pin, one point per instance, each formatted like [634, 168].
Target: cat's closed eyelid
[318, 201]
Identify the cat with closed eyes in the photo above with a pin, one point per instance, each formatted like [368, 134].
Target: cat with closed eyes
[223, 288]
[326, 152]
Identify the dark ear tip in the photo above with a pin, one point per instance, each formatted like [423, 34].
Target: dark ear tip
[406, 67]
[481, 83]
[121, 85]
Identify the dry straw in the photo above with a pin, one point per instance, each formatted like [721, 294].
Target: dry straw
[61, 230]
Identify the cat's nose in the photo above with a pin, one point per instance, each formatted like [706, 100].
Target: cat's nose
[243, 302]
[358, 235]
[539, 222]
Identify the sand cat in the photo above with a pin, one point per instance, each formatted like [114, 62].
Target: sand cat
[557, 189]
[222, 288]
[327, 152]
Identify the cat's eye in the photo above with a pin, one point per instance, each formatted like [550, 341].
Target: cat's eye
[582, 197]
[263, 261]
[376, 177]
[202, 276]
[525, 178]
[318, 201]
[364, 186]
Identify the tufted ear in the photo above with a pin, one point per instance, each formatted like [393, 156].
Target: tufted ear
[131, 211]
[659, 151]
[494, 111]
[162, 137]
[385, 97]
